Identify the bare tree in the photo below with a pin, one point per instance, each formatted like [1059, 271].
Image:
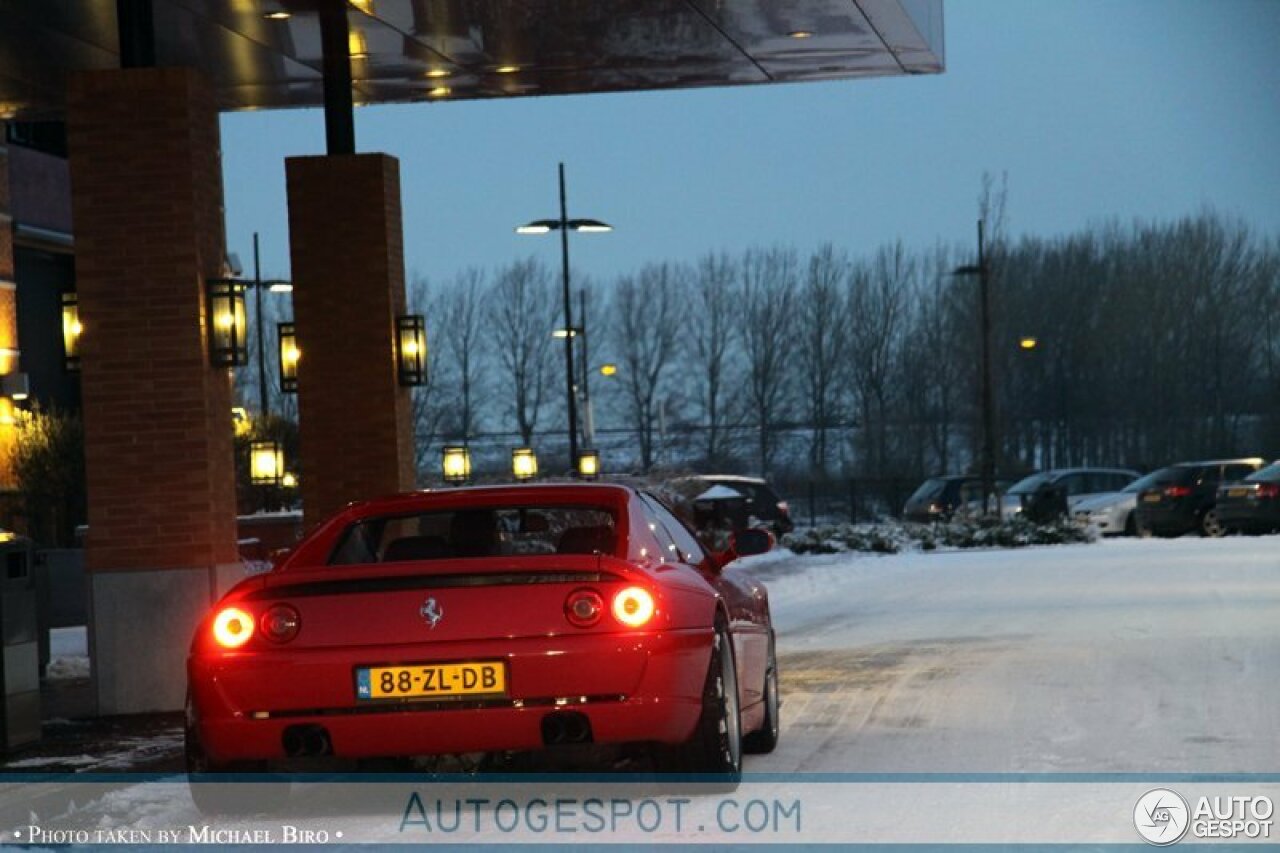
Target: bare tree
[767, 302]
[709, 324]
[521, 314]
[877, 295]
[646, 314]
[821, 327]
[463, 337]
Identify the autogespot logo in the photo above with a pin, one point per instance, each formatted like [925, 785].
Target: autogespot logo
[1161, 816]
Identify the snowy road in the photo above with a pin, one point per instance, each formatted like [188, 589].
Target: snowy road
[1126, 656]
[1131, 656]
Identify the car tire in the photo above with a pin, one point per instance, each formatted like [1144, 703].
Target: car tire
[1211, 526]
[212, 794]
[715, 749]
[1131, 525]
[1140, 528]
[765, 739]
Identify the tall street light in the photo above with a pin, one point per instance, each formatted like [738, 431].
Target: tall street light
[982, 270]
[275, 286]
[564, 225]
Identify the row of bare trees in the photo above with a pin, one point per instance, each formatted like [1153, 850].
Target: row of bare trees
[1155, 342]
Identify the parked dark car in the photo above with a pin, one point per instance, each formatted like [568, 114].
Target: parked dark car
[1187, 499]
[938, 498]
[1251, 505]
[759, 501]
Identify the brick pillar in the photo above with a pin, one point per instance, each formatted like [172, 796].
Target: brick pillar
[347, 249]
[146, 183]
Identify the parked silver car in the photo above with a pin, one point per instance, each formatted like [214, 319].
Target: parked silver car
[1057, 492]
[1112, 512]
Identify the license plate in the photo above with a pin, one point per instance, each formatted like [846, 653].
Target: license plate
[1151, 499]
[428, 681]
[1237, 493]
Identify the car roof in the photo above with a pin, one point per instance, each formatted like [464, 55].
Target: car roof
[1242, 460]
[728, 478]
[495, 495]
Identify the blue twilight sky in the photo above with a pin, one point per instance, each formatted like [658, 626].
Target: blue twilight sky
[1096, 109]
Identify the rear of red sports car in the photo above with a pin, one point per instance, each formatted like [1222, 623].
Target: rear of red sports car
[475, 620]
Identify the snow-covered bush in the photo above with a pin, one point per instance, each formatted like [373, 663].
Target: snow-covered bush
[892, 537]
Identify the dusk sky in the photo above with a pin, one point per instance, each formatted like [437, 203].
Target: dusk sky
[1096, 110]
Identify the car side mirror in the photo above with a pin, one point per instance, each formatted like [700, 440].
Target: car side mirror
[752, 541]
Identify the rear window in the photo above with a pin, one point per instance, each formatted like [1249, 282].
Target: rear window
[1155, 478]
[1270, 474]
[929, 490]
[1028, 485]
[477, 532]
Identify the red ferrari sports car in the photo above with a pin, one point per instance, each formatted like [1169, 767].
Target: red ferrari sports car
[490, 619]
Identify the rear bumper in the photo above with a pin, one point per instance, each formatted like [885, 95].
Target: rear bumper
[1168, 521]
[1250, 517]
[631, 687]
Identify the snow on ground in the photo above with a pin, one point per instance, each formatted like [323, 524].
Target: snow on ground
[68, 653]
[1125, 656]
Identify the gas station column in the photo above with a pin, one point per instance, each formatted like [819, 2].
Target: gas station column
[147, 204]
[347, 261]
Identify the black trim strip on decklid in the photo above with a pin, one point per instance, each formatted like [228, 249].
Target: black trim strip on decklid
[396, 583]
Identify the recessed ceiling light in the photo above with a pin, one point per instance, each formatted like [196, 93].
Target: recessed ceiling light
[800, 34]
[507, 69]
[277, 16]
[365, 6]
[440, 92]
[436, 73]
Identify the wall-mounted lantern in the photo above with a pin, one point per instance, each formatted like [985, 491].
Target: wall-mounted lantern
[266, 463]
[524, 463]
[71, 329]
[15, 386]
[456, 464]
[411, 350]
[227, 324]
[588, 464]
[289, 355]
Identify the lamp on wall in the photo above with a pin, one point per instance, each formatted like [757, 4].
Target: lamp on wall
[588, 464]
[266, 463]
[15, 386]
[411, 350]
[289, 355]
[71, 329]
[456, 464]
[227, 324]
[524, 463]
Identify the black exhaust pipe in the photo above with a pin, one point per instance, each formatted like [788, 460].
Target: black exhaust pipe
[306, 742]
[565, 727]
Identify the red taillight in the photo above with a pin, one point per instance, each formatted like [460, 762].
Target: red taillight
[280, 623]
[583, 607]
[633, 606]
[1177, 491]
[1269, 490]
[232, 628]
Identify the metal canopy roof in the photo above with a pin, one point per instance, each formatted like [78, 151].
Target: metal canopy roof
[265, 54]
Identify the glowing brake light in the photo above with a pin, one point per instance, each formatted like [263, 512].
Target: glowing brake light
[232, 628]
[633, 606]
[1177, 491]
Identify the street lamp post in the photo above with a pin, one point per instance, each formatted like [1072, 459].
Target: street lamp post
[564, 225]
[277, 286]
[982, 270]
